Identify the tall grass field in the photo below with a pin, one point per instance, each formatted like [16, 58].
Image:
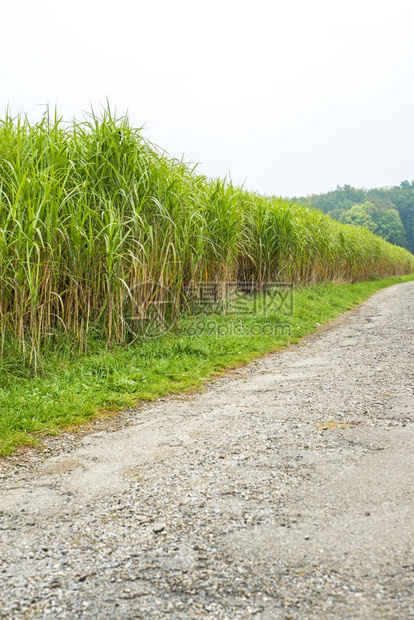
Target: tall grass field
[89, 211]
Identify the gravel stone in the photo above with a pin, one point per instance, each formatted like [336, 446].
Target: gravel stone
[283, 490]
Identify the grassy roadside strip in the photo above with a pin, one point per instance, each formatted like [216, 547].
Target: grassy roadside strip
[76, 388]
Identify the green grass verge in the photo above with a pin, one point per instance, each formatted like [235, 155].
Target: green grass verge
[74, 388]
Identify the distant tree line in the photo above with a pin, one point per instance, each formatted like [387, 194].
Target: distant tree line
[386, 211]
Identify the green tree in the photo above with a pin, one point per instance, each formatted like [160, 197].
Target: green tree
[359, 215]
[390, 227]
[403, 198]
[385, 200]
[336, 214]
[379, 219]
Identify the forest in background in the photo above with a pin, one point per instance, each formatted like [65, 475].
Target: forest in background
[386, 211]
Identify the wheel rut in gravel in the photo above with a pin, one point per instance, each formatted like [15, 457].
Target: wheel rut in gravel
[284, 490]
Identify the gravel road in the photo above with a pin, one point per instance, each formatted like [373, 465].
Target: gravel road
[284, 490]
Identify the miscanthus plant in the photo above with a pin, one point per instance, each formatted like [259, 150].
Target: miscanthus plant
[90, 212]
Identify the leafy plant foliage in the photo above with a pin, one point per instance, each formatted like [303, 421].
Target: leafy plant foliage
[89, 211]
[386, 211]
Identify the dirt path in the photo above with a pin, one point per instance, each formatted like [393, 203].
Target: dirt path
[283, 491]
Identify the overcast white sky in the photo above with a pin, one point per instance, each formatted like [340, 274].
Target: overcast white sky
[288, 97]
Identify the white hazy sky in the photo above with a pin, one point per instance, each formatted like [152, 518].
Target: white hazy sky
[288, 97]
